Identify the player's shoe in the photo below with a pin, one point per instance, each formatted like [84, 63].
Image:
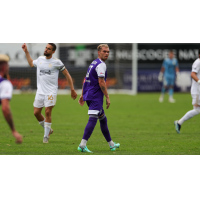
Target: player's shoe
[50, 132]
[177, 126]
[45, 140]
[84, 149]
[161, 99]
[116, 145]
[171, 100]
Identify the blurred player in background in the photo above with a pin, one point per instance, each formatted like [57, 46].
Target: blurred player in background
[6, 95]
[94, 89]
[195, 93]
[48, 69]
[167, 75]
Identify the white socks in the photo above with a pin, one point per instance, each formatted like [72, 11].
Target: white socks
[42, 123]
[83, 143]
[111, 143]
[47, 128]
[187, 116]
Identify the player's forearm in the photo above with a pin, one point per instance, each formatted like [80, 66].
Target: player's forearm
[103, 87]
[8, 116]
[70, 81]
[29, 59]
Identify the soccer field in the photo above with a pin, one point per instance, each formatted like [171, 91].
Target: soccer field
[141, 124]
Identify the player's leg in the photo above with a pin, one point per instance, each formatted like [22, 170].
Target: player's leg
[93, 117]
[163, 90]
[49, 102]
[47, 124]
[87, 133]
[38, 106]
[105, 131]
[189, 114]
[171, 91]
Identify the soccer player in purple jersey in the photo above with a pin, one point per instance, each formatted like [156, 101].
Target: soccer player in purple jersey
[94, 89]
[6, 95]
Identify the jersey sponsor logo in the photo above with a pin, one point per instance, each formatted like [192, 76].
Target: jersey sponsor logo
[50, 97]
[50, 65]
[43, 72]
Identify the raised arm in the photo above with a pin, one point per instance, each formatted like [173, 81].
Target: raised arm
[69, 79]
[8, 116]
[28, 57]
[103, 87]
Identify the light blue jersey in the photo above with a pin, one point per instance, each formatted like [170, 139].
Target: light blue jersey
[170, 65]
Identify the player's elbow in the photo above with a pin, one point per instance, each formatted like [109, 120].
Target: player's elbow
[101, 83]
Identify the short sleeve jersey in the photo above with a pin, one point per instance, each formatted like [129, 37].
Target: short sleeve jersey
[170, 65]
[47, 75]
[6, 89]
[195, 89]
[91, 88]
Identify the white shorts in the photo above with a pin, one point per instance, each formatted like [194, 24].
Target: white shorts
[195, 99]
[44, 101]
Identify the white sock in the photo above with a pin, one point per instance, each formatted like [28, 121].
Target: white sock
[111, 143]
[42, 123]
[47, 128]
[187, 116]
[83, 143]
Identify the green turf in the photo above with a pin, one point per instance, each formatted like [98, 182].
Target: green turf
[141, 124]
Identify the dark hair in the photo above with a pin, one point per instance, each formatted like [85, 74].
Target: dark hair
[53, 45]
[199, 51]
[171, 51]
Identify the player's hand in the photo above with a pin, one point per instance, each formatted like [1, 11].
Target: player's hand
[73, 94]
[107, 103]
[18, 137]
[80, 101]
[24, 47]
[160, 77]
[177, 76]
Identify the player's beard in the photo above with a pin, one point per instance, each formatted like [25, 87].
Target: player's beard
[6, 76]
[47, 55]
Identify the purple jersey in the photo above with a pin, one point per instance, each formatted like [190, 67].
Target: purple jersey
[91, 88]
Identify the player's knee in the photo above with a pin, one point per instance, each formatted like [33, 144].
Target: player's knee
[36, 112]
[102, 117]
[48, 113]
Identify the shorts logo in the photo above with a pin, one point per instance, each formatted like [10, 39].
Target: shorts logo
[50, 97]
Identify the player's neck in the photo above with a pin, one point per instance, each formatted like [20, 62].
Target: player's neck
[101, 59]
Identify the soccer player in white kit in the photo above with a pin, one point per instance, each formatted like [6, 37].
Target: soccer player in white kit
[195, 93]
[6, 89]
[48, 69]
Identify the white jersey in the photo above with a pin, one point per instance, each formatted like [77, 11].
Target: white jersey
[101, 69]
[6, 89]
[195, 89]
[47, 75]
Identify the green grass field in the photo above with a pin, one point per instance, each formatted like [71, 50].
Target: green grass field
[141, 124]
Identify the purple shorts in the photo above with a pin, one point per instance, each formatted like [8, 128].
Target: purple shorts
[95, 107]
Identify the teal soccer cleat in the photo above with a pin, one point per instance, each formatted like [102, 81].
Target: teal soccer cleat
[117, 145]
[84, 149]
[177, 126]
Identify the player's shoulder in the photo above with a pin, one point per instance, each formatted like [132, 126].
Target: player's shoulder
[42, 57]
[56, 60]
[5, 82]
[196, 62]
